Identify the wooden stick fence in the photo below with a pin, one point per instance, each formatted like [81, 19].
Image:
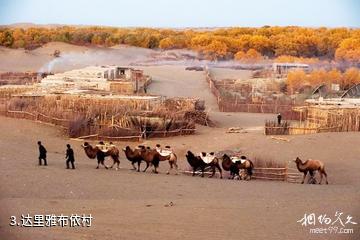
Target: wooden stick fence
[285, 174]
[64, 123]
[227, 103]
[272, 128]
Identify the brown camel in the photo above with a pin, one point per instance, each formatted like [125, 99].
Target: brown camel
[235, 167]
[197, 163]
[150, 156]
[96, 152]
[168, 155]
[133, 156]
[311, 166]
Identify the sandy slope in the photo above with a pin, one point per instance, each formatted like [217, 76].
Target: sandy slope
[71, 57]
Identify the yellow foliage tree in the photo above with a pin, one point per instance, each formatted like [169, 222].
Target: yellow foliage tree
[349, 50]
[250, 56]
[334, 76]
[317, 77]
[292, 59]
[166, 43]
[295, 80]
[350, 77]
[215, 50]
[240, 55]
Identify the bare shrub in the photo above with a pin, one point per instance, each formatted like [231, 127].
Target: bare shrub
[78, 127]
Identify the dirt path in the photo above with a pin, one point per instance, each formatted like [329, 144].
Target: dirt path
[173, 81]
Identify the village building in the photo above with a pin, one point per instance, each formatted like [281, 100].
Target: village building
[282, 69]
[115, 79]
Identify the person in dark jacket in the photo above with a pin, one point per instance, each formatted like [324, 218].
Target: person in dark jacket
[42, 154]
[69, 157]
[279, 117]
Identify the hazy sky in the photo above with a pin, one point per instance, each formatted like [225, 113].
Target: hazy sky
[183, 13]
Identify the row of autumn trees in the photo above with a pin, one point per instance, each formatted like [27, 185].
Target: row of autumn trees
[298, 79]
[224, 43]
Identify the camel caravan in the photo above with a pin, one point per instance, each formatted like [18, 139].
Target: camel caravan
[239, 167]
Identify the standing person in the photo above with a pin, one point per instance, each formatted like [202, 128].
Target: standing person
[69, 157]
[279, 117]
[42, 153]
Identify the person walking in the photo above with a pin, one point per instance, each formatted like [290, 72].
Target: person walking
[42, 154]
[279, 117]
[70, 157]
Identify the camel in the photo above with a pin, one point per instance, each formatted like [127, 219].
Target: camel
[133, 156]
[197, 163]
[150, 156]
[235, 165]
[97, 152]
[311, 166]
[168, 155]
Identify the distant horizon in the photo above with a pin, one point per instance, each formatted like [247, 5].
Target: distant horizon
[50, 25]
[178, 14]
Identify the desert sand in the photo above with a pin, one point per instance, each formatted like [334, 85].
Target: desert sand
[131, 205]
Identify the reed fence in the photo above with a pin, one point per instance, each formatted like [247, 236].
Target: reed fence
[285, 128]
[285, 174]
[235, 104]
[64, 123]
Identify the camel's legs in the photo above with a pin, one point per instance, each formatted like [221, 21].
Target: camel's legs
[134, 168]
[202, 170]
[325, 176]
[321, 176]
[171, 167]
[113, 164]
[147, 165]
[312, 179]
[176, 168]
[218, 167]
[139, 162]
[304, 177]
[213, 171]
[102, 162]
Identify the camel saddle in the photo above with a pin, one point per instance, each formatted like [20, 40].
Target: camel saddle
[105, 147]
[207, 157]
[237, 159]
[164, 152]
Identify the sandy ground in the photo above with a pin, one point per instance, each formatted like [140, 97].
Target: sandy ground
[130, 205]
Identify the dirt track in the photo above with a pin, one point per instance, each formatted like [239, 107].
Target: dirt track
[131, 205]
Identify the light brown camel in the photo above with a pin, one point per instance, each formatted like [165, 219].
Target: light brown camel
[133, 156]
[235, 167]
[96, 152]
[150, 156]
[311, 166]
[168, 155]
